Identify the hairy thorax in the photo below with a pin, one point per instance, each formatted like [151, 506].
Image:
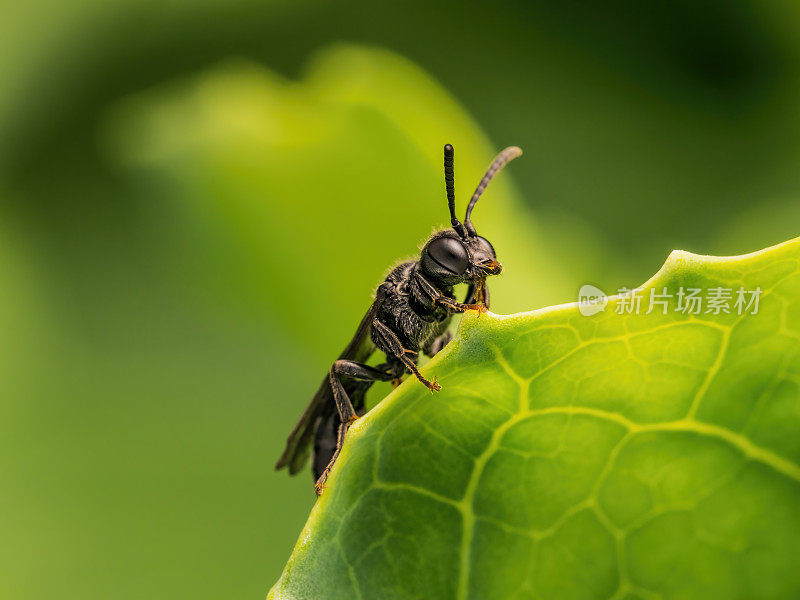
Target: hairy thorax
[414, 323]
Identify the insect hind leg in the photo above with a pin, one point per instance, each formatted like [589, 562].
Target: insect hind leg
[344, 407]
[439, 343]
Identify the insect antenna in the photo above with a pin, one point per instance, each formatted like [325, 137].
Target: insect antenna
[451, 193]
[498, 163]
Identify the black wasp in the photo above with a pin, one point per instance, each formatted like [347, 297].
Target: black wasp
[411, 313]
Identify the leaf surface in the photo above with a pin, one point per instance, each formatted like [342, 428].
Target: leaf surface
[569, 456]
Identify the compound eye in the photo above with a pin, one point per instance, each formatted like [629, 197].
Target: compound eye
[486, 246]
[450, 254]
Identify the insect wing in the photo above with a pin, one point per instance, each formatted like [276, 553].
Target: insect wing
[299, 442]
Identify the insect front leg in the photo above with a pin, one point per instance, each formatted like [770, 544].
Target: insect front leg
[437, 297]
[458, 307]
[394, 346]
[478, 293]
[344, 406]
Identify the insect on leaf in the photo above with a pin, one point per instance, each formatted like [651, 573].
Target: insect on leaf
[618, 455]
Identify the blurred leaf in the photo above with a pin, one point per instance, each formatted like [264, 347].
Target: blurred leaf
[323, 184]
[613, 456]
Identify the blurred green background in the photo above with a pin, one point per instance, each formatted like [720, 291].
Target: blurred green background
[197, 198]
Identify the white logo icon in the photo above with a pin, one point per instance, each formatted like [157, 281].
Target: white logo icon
[591, 300]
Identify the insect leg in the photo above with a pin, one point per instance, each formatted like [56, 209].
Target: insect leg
[438, 298]
[439, 343]
[320, 484]
[360, 371]
[393, 344]
[458, 306]
[344, 406]
[472, 295]
[396, 368]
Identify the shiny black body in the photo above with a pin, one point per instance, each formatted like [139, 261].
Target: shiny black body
[410, 315]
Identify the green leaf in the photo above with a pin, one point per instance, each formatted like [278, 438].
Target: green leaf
[568, 456]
